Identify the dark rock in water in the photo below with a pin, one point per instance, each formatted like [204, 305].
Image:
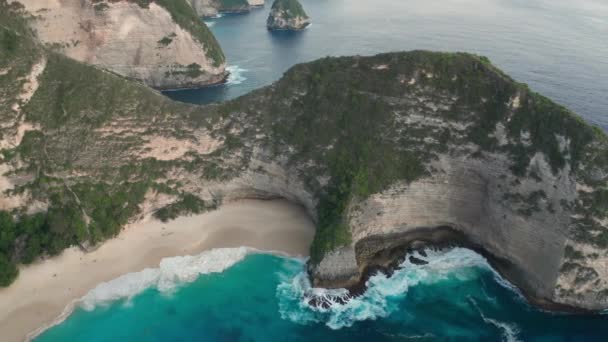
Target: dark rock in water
[422, 252]
[287, 15]
[417, 261]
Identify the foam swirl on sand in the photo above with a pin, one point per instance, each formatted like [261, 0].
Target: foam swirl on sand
[171, 273]
[382, 294]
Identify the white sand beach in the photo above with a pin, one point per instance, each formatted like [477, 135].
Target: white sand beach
[44, 289]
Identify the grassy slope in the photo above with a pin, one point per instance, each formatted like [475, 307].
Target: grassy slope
[227, 5]
[337, 102]
[368, 153]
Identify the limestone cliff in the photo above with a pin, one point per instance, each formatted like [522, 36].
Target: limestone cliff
[158, 42]
[386, 153]
[211, 8]
[287, 15]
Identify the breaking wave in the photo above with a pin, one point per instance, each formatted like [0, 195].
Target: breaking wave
[509, 330]
[171, 273]
[236, 75]
[382, 294]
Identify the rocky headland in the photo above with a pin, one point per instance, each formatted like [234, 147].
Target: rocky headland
[161, 43]
[386, 153]
[287, 15]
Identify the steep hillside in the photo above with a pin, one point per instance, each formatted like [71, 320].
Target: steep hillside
[161, 43]
[387, 153]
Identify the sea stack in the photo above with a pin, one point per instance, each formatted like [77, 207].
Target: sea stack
[287, 15]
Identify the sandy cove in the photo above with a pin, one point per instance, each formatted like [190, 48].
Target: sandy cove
[44, 289]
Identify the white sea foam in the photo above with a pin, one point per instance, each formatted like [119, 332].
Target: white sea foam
[509, 330]
[171, 273]
[379, 299]
[236, 75]
[209, 23]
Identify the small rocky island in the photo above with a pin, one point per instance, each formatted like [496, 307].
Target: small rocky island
[162, 44]
[287, 15]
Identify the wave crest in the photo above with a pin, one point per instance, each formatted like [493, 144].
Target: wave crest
[171, 273]
[379, 299]
[236, 75]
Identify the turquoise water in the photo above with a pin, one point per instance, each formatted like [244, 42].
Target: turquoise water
[262, 297]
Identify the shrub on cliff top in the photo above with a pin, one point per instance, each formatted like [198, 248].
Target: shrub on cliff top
[292, 7]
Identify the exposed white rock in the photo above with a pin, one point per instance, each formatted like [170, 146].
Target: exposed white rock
[140, 43]
[282, 18]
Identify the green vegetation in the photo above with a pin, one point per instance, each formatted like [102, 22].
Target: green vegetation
[107, 208]
[73, 99]
[67, 95]
[545, 122]
[8, 41]
[187, 204]
[587, 230]
[165, 41]
[100, 7]
[338, 111]
[292, 8]
[573, 254]
[582, 274]
[18, 53]
[233, 5]
[193, 70]
[184, 16]
[344, 125]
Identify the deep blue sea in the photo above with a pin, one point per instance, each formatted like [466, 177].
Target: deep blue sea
[558, 47]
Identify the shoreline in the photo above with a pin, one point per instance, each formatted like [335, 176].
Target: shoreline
[69, 309]
[446, 238]
[46, 292]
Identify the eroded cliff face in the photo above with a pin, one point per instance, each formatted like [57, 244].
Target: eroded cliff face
[387, 153]
[541, 222]
[140, 42]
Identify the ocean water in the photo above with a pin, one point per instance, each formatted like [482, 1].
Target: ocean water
[250, 296]
[558, 47]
